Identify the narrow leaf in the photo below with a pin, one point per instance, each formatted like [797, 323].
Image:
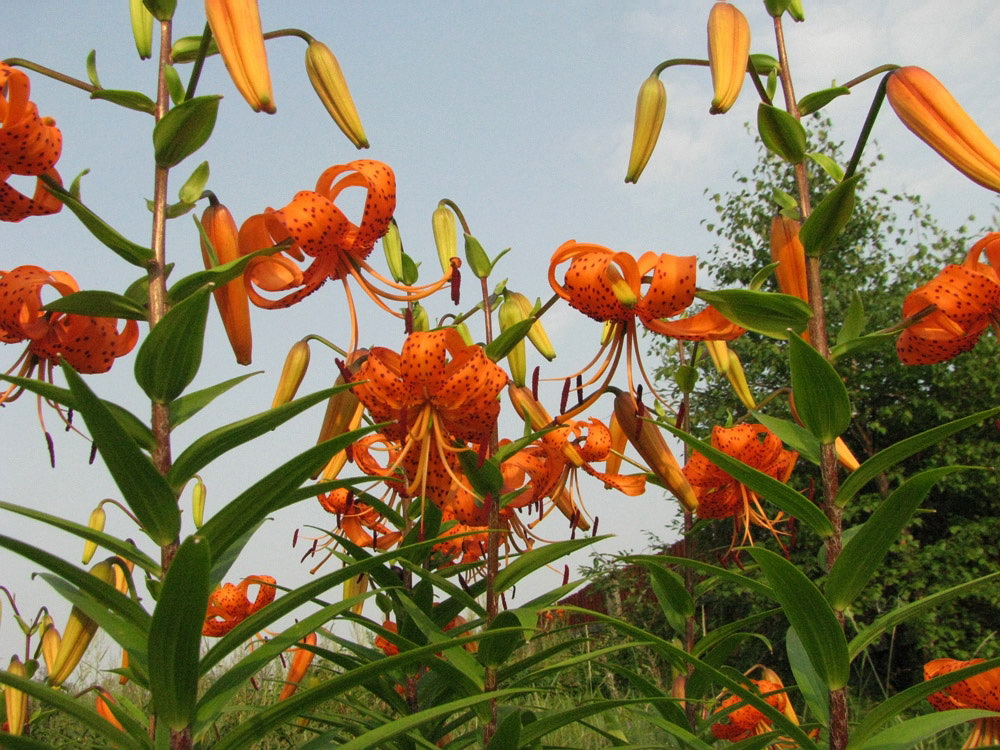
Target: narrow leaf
[820, 231]
[807, 679]
[821, 399]
[175, 634]
[867, 548]
[169, 358]
[502, 345]
[808, 612]
[192, 189]
[143, 488]
[794, 436]
[210, 446]
[98, 304]
[816, 100]
[767, 313]
[134, 100]
[828, 165]
[909, 733]
[135, 254]
[531, 560]
[186, 406]
[900, 451]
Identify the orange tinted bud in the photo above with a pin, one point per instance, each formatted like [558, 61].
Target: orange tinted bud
[16, 701]
[301, 660]
[296, 364]
[79, 631]
[343, 414]
[650, 108]
[198, 497]
[648, 442]
[101, 706]
[728, 52]
[96, 522]
[530, 410]
[845, 456]
[355, 586]
[331, 87]
[787, 251]
[931, 112]
[236, 27]
[123, 679]
[231, 297]
[618, 443]
[50, 646]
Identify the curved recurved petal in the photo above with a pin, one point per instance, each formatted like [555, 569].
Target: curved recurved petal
[707, 325]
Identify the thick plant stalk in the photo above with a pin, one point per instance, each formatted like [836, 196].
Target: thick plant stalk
[839, 732]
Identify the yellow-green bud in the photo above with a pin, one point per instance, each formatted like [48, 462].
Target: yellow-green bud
[296, 364]
[421, 320]
[331, 87]
[142, 28]
[445, 235]
[510, 314]
[392, 246]
[185, 49]
[16, 700]
[650, 108]
[478, 260]
[536, 334]
[198, 496]
[96, 522]
[79, 631]
[463, 331]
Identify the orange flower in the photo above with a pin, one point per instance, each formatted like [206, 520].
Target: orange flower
[101, 705]
[981, 691]
[301, 659]
[721, 496]
[932, 114]
[382, 643]
[728, 52]
[339, 247]
[30, 145]
[615, 288]
[436, 391]
[965, 299]
[229, 604]
[787, 251]
[748, 721]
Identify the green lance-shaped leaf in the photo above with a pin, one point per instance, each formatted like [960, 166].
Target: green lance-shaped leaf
[143, 488]
[781, 133]
[218, 275]
[485, 477]
[508, 733]
[502, 345]
[192, 189]
[175, 634]
[185, 407]
[184, 129]
[828, 165]
[866, 550]
[135, 254]
[91, 65]
[818, 99]
[807, 679]
[821, 399]
[96, 303]
[809, 613]
[910, 733]
[675, 601]
[828, 219]
[533, 559]
[778, 493]
[135, 100]
[170, 356]
[495, 647]
[767, 313]
[902, 450]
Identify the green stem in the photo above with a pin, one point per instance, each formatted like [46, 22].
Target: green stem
[54, 74]
[866, 129]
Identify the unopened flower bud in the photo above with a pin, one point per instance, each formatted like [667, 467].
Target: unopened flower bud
[648, 442]
[142, 28]
[301, 659]
[788, 253]
[79, 631]
[728, 52]
[509, 315]
[101, 706]
[343, 414]
[231, 298]
[185, 49]
[355, 586]
[536, 334]
[650, 108]
[296, 364]
[477, 258]
[331, 88]
[16, 701]
[198, 497]
[463, 331]
[421, 320]
[96, 522]
[50, 646]
[392, 246]
[236, 27]
[445, 231]
[844, 455]
[931, 112]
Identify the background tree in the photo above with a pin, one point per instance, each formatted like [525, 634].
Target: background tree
[891, 246]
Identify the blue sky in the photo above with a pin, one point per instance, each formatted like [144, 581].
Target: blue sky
[521, 112]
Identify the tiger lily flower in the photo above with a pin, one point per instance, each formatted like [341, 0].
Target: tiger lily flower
[301, 659]
[437, 391]
[30, 145]
[720, 495]
[237, 31]
[926, 107]
[981, 691]
[229, 604]
[319, 229]
[617, 289]
[964, 300]
[231, 297]
[747, 721]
